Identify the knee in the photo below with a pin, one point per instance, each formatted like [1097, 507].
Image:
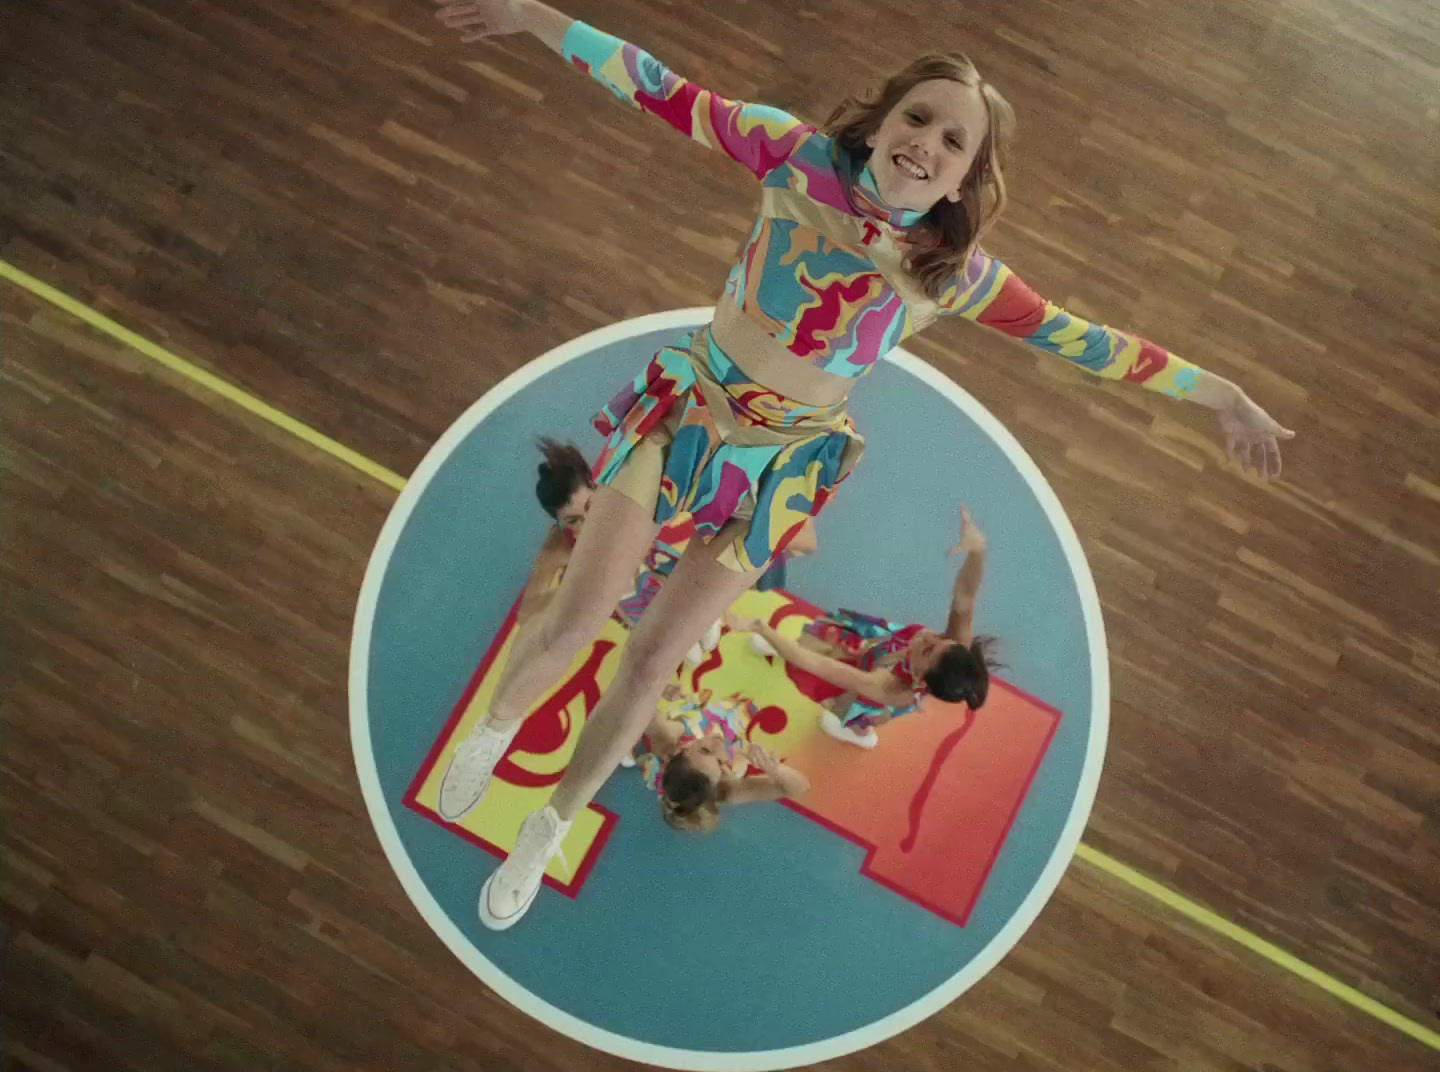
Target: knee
[648, 662]
[566, 630]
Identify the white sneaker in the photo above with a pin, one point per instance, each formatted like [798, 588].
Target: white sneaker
[704, 646]
[711, 640]
[831, 724]
[627, 760]
[510, 891]
[763, 646]
[468, 775]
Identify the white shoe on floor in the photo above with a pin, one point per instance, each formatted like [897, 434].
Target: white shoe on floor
[831, 724]
[705, 645]
[711, 640]
[627, 760]
[763, 646]
[468, 775]
[510, 891]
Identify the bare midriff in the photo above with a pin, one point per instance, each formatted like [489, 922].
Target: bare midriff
[768, 363]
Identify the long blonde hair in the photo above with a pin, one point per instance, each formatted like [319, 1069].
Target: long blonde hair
[951, 230]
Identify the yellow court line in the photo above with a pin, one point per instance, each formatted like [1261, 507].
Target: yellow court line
[203, 377]
[1257, 945]
[1128, 875]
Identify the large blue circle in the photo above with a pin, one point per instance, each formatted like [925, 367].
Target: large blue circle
[614, 966]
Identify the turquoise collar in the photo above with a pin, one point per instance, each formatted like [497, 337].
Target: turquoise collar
[869, 201]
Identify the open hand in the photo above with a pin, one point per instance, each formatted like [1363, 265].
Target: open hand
[971, 537]
[764, 759]
[479, 19]
[1251, 437]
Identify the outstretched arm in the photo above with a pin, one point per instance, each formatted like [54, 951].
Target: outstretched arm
[776, 782]
[479, 19]
[756, 135]
[877, 686]
[961, 624]
[991, 294]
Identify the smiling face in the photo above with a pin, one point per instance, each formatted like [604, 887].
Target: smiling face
[926, 144]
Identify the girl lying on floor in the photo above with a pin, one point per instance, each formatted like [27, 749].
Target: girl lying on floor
[696, 756]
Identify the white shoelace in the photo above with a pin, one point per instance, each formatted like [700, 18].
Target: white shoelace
[531, 856]
[476, 744]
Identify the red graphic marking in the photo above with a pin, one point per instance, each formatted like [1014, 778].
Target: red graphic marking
[917, 802]
[549, 727]
[412, 795]
[932, 806]
[712, 661]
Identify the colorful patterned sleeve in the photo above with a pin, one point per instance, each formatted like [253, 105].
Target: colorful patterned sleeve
[990, 294]
[758, 136]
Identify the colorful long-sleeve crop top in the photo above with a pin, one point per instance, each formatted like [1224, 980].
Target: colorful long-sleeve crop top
[823, 271]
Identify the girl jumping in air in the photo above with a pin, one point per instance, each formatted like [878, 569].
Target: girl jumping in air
[869, 230]
[565, 488]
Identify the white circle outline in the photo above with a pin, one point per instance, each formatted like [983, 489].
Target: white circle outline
[681, 320]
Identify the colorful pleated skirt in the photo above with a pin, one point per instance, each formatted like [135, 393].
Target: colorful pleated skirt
[691, 435]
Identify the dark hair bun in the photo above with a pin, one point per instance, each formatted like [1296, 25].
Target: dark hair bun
[562, 472]
[962, 675]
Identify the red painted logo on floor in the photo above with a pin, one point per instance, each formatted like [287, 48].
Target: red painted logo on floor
[933, 804]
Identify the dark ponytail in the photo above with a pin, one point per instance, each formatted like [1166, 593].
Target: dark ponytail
[563, 471]
[962, 675]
